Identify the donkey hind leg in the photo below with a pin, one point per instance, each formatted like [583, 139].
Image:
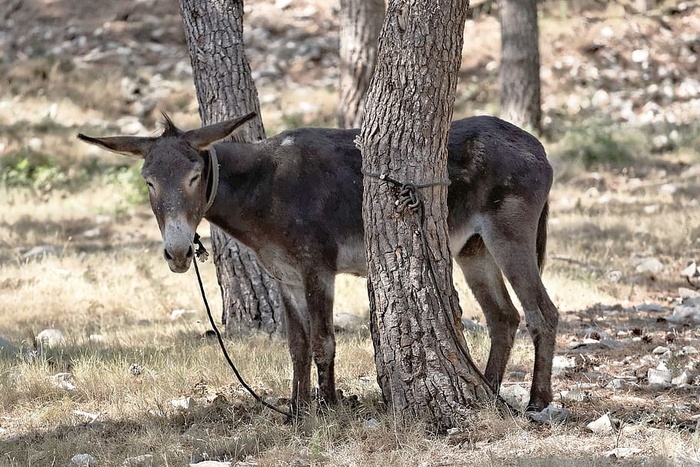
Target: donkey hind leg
[299, 346]
[486, 283]
[320, 289]
[511, 239]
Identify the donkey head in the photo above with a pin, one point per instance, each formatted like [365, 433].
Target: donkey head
[177, 178]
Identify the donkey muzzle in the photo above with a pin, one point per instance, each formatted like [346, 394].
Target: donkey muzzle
[178, 248]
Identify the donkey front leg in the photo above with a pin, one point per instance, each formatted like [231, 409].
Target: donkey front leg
[299, 346]
[320, 289]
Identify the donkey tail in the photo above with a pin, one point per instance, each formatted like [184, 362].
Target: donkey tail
[542, 236]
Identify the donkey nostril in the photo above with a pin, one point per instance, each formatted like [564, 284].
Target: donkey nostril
[190, 252]
[167, 255]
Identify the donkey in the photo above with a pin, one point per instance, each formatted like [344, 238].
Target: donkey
[296, 200]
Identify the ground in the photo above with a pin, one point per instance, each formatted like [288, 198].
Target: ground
[79, 247]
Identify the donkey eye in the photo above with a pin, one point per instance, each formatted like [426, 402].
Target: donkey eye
[151, 186]
[194, 180]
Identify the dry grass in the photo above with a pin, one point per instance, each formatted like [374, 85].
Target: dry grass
[115, 285]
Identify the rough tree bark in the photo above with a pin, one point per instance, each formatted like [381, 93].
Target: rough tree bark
[225, 89]
[360, 23]
[520, 64]
[423, 365]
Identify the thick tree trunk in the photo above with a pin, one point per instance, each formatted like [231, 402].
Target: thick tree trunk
[423, 365]
[520, 63]
[360, 23]
[225, 89]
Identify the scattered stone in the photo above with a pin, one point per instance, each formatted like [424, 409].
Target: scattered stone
[371, 424]
[660, 350]
[685, 293]
[50, 338]
[621, 453]
[84, 460]
[651, 307]
[575, 395]
[551, 415]
[562, 363]
[684, 314]
[617, 384]
[347, 322]
[659, 378]
[91, 416]
[180, 313]
[144, 460]
[211, 464]
[63, 381]
[453, 431]
[691, 271]
[682, 379]
[515, 395]
[184, 403]
[601, 425]
[649, 266]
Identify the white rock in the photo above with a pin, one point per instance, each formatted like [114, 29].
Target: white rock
[601, 425]
[640, 55]
[649, 265]
[371, 424]
[691, 271]
[84, 460]
[144, 460]
[211, 464]
[50, 338]
[683, 378]
[659, 378]
[63, 381]
[550, 414]
[561, 363]
[347, 321]
[180, 313]
[576, 395]
[515, 395]
[684, 314]
[621, 453]
[184, 403]
[660, 350]
[617, 384]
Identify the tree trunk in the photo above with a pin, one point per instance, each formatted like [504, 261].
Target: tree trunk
[423, 365]
[520, 64]
[360, 23]
[225, 89]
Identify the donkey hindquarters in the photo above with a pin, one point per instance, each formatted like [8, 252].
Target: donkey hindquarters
[498, 213]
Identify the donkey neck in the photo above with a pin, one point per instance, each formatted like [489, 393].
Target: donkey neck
[243, 197]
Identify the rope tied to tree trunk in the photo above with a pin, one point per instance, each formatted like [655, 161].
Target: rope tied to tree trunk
[408, 197]
[408, 192]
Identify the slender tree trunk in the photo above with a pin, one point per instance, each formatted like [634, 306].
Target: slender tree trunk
[360, 23]
[520, 64]
[225, 89]
[423, 364]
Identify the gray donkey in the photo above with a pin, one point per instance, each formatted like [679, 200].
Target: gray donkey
[296, 200]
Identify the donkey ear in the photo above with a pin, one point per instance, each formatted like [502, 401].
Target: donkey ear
[133, 146]
[204, 137]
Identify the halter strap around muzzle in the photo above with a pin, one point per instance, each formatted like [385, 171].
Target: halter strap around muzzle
[214, 172]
